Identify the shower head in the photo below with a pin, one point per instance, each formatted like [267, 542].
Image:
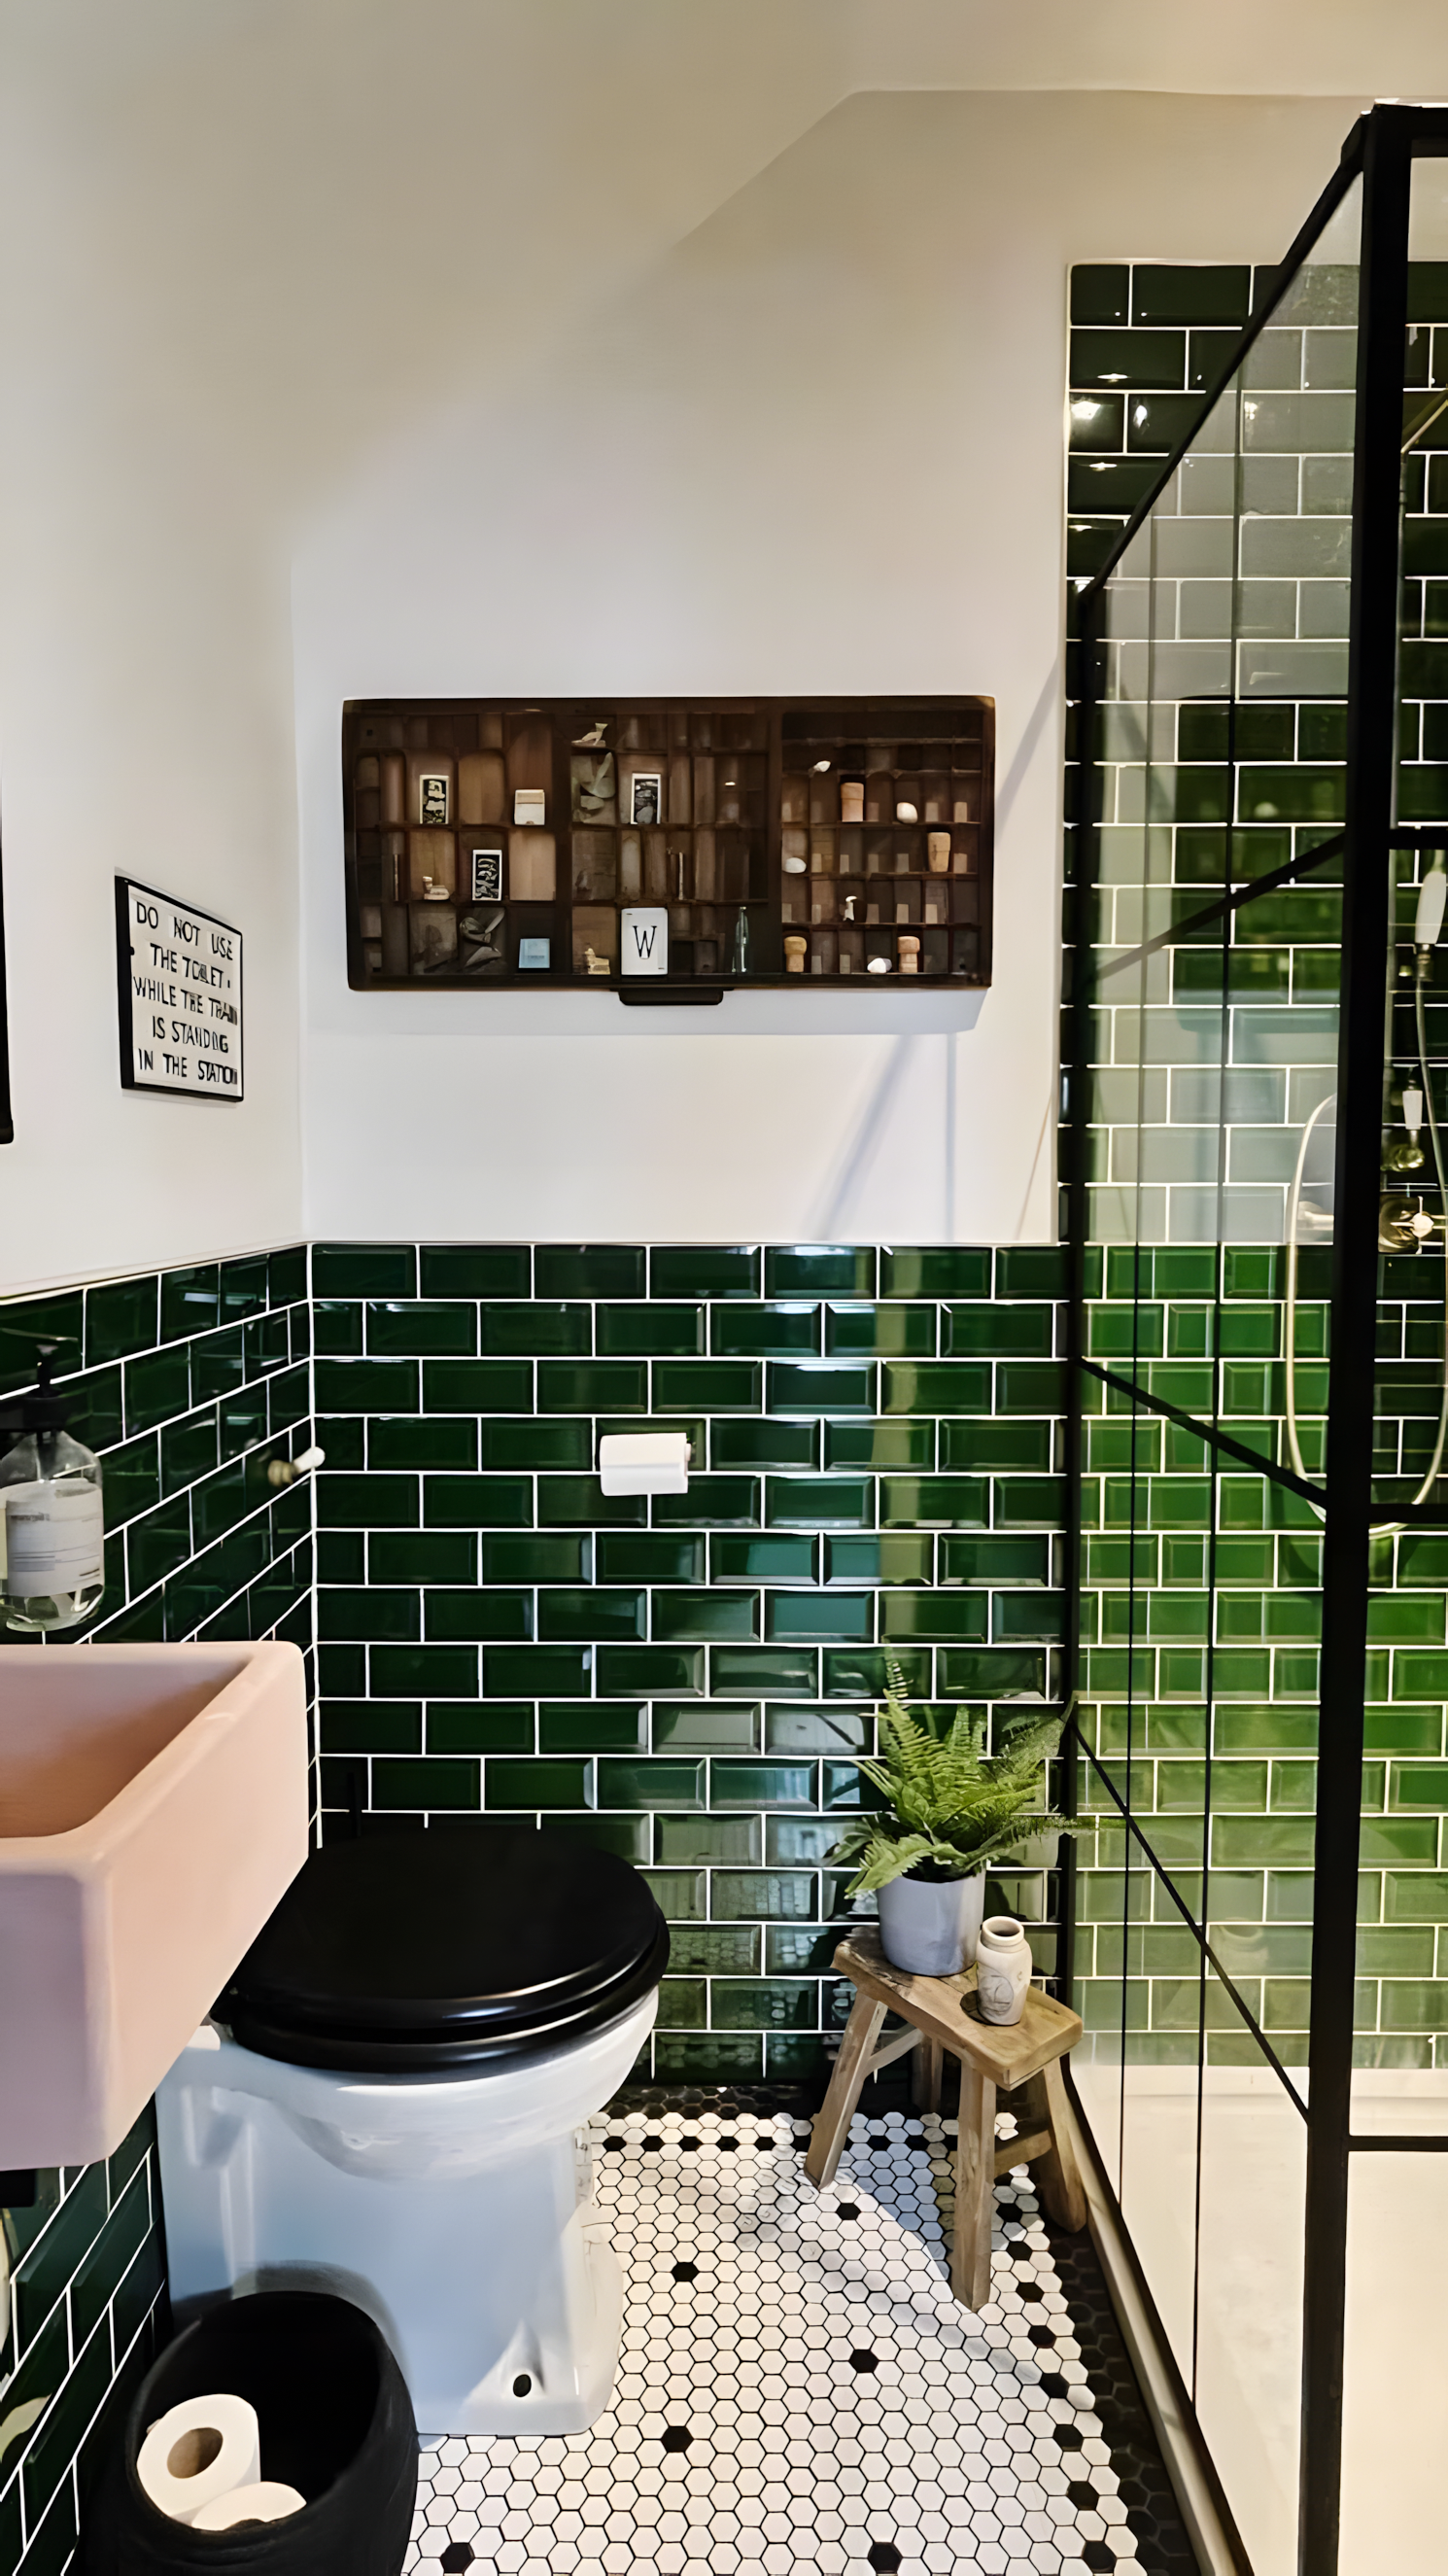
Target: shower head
[1432, 896]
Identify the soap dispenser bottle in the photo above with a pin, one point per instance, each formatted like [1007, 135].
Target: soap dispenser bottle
[52, 1569]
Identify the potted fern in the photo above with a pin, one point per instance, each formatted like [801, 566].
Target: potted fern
[953, 1812]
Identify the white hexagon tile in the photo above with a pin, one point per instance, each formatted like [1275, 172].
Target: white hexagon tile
[798, 2388]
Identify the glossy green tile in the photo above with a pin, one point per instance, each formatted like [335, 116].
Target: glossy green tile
[730, 1950]
[821, 1386]
[392, 1615]
[934, 1387]
[427, 1782]
[683, 2004]
[566, 1502]
[764, 1896]
[765, 1332]
[420, 1329]
[652, 1556]
[101, 2270]
[816, 1618]
[776, 1559]
[371, 1726]
[879, 1445]
[598, 1386]
[707, 1386]
[341, 1670]
[120, 1318]
[935, 1618]
[712, 1502]
[52, 2450]
[696, 1727]
[157, 1544]
[951, 1271]
[422, 1556]
[995, 1560]
[420, 1443]
[764, 1444]
[96, 1410]
[820, 1270]
[477, 1386]
[1035, 1270]
[593, 1726]
[341, 1556]
[858, 1672]
[785, 1672]
[364, 1270]
[588, 1270]
[508, 1558]
[287, 1275]
[425, 1672]
[47, 2267]
[534, 1443]
[702, 1270]
[592, 1614]
[651, 1783]
[479, 1726]
[649, 1672]
[935, 1502]
[188, 1449]
[993, 1446]
[790, 1950]
[218, 1361]
[897, 1557]
[1100, 293]
[881, 1332]
[539, 1784]
[818, 1730]
[474, 1615]
[1001, 1331]
[680, 2058]
[157, 1388]
[534, 1330]
[703, 1617]
[59, 1318]
[474, 1269]
[536, 1672]
[243, 1288]
[708, 1840]
[289, 1401]
[819, 1502]
[649, 1332]
[367, 1502]
[776, 2003]
[366, 1386]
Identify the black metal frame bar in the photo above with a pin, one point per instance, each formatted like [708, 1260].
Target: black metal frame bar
[1381, 151]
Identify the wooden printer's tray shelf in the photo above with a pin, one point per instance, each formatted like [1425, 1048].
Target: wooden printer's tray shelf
[840, 842]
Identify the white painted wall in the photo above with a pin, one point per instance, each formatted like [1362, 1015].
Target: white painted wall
[291, 289]
[817, 446]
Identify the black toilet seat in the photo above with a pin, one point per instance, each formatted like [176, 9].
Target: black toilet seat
[401, 1954]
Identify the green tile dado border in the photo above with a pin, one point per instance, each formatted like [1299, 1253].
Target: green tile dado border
[187, 1383]
[878, 1463]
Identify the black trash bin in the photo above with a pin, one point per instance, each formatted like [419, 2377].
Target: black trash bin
[336, 2423]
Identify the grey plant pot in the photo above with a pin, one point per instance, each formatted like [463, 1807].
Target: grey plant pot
[931, 1929]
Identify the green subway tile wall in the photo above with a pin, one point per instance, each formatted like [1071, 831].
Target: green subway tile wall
[187, 1385]
[688, 1680]
[1201, 1579]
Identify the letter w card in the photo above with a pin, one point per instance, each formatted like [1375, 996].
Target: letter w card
[645, 943]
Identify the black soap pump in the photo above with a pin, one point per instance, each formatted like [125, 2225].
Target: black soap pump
[52, 1563]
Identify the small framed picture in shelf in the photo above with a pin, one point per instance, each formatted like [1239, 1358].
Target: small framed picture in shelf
[487, 875]
[432, 797]
[647, 804]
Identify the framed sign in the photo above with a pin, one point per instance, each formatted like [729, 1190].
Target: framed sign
[178, 977]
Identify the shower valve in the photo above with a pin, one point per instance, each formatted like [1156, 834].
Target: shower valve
[1406, 1228]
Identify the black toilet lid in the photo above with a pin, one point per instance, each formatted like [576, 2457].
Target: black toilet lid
[398, 1953]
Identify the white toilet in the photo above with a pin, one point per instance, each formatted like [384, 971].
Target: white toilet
[386, 2106]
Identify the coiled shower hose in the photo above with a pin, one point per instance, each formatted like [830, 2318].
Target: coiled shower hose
[1294, 1201]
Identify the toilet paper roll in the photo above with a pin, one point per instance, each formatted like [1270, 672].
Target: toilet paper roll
[267, 2501]
[202, 2449]
[644, 1462]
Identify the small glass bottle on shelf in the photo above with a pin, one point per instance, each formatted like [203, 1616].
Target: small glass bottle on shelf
[739, 959]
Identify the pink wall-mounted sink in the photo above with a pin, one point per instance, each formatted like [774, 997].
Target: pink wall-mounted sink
[153, 1808]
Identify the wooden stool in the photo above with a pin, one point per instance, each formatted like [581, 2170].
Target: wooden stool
[1024, 2059]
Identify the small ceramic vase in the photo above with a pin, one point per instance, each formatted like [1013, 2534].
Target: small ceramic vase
[1003, 1970]
[930, 1927]
[852, 800]
[937, 852]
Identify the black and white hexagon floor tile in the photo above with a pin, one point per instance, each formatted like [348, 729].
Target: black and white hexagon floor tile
[798, 2388]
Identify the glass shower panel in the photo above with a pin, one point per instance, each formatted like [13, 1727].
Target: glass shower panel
[1397, 2294]
[1251, 2220]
